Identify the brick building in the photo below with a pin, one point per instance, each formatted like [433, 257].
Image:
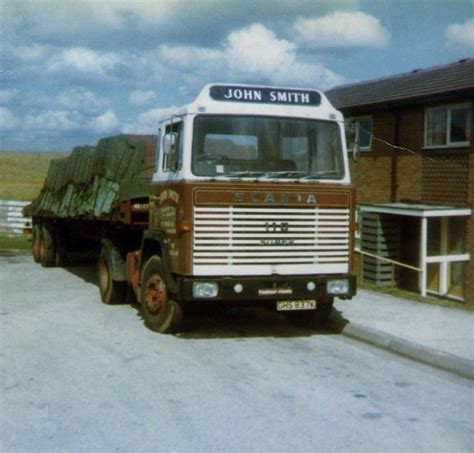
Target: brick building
[415, 175]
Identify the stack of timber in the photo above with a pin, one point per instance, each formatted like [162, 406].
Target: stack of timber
[92, 181]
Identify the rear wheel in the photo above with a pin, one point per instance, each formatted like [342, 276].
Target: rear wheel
[47, 247]
[36, 231]
[313, 318]
[61, 248]
[111, 291]
[160, 312]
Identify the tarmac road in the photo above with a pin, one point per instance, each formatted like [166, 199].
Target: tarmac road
[77, 375]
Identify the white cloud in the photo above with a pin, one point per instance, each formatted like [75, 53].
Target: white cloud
[105, 123]
[255, 52]
[31, 53]
[7, 96]
[147, 122]
[79, 98]
[461, 35]
[341, 29]
[7, 119]
[142, 97]
[50, 120]
[86, 61]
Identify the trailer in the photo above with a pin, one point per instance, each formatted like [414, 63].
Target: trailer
[244, 197]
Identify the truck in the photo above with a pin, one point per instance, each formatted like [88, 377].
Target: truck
[243, 197]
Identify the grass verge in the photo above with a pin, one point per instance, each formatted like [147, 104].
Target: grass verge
[14, 242]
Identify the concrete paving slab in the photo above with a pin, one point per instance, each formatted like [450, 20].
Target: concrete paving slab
[437, 335]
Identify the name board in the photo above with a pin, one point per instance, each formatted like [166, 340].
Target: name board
[264, 95]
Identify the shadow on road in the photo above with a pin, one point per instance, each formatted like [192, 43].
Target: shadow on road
[212, 321]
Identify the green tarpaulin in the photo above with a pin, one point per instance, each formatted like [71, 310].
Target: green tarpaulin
[92, 181]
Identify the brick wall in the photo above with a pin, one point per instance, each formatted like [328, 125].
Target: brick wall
[436, 176]
[469, 279]
[445, 178]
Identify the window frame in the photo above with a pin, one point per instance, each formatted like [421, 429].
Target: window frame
[449, 108]
[357, 120]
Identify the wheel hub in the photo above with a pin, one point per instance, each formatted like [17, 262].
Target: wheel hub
[156, 296]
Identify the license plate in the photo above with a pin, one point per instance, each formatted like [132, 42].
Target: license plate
[289, 305]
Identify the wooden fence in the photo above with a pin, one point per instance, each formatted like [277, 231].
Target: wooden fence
[11, 217]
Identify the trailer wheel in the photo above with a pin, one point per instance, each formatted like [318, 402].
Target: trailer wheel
[313, 318]
[61, 257]
[36, 243]
[47, 248]
[160, 312]
[111, 291]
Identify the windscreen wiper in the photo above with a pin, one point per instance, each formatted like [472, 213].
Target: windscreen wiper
[277, 174]
[319, 174]
[237, 174]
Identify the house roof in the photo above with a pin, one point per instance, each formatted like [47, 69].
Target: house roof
[415, 84]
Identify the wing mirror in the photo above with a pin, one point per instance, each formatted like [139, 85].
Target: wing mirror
[169, 143]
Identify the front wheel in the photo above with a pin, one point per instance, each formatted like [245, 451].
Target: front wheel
[161, 313]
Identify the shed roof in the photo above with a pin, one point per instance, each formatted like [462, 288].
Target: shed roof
[418, 83]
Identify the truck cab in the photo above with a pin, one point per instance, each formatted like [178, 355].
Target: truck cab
[250, 202]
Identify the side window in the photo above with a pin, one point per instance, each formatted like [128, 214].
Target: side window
[448, 126]
[172, 161]
[359, 128]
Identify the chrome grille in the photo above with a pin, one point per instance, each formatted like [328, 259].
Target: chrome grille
[270, 240]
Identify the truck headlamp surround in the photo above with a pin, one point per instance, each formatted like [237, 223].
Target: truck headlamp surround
[340, 286]
[205, 290]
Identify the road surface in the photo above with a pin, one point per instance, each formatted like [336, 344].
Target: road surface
[77, 375]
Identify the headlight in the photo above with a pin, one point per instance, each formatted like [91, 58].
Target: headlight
[338, 286]
[205, 290]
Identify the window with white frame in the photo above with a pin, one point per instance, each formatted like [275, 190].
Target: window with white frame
[448, 126]
[359, 128]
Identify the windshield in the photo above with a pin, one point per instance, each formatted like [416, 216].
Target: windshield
[241, 146]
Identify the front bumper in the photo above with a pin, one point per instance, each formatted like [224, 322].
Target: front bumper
[271, 288]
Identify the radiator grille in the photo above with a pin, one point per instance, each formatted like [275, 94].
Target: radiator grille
[267, 240]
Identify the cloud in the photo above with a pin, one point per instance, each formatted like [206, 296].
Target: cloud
[255, 52]
[147, 122]
[105, 123]
[78, 98]
[30, 53]
[7, 119]
[461, 35]
[341, 29]
[251, 54]
[87, 21]
[142, 97]
[58, 120]
[7, 96]
[85, 61]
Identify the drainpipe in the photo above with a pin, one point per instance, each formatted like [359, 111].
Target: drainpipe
[394, 160]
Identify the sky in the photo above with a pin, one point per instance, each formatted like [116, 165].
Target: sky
[72, 71]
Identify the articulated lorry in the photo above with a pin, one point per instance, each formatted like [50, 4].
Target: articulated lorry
[243, 197]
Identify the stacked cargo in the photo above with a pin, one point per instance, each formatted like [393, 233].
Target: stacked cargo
[92, 181]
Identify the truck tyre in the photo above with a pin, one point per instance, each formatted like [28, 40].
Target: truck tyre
[111, 291]
[160, 312]
[313, 318]
[36, 243]
[47, 248]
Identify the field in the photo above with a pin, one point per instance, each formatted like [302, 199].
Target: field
[22, 174]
